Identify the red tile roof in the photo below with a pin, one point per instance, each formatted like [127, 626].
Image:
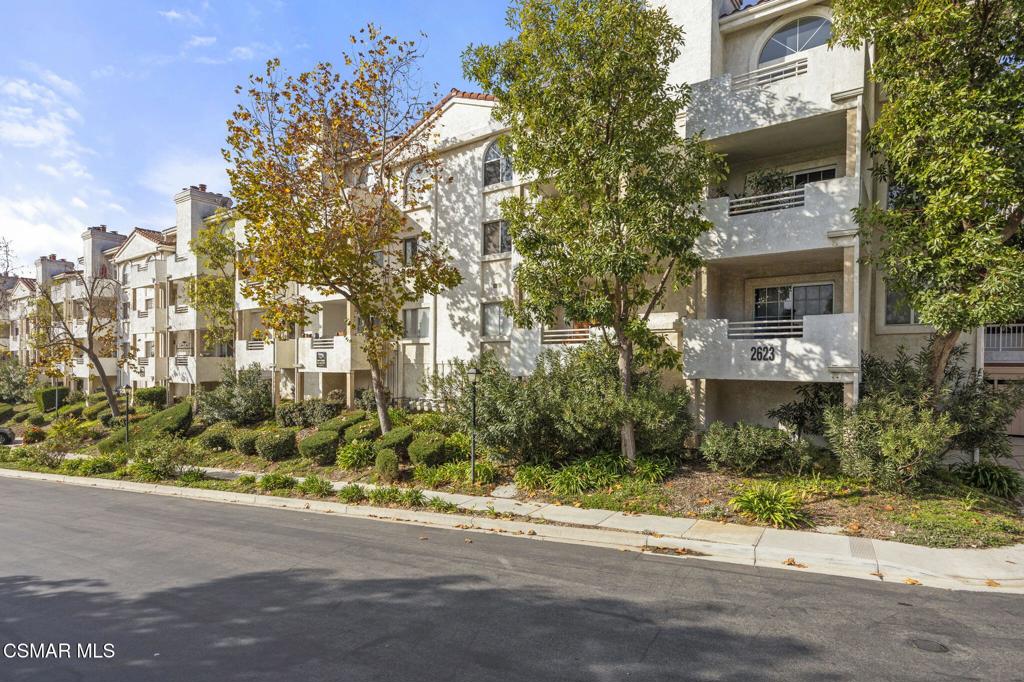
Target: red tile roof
[155, 236]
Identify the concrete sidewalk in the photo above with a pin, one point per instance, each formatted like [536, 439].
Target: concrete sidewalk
[999, 569]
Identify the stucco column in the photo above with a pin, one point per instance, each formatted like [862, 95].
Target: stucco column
[852, 140]
[849, 279]
[350, 389]
[300, 389]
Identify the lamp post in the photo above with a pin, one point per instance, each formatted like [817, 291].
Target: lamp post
[127, 408]
[474, 374]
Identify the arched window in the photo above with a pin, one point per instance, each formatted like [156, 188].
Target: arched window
[418, 183]
[497, 167]
[803, 34]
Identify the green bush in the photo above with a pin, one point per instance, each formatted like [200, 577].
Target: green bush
[190, 476]
[217, 437]
[429, 421]
[343, 422]
[276, 444]
[397, 439]
[20, 417]
[995, 479]
[458, 446]
[289, 413]
[365, 430]
[533, 478]
[155, 396]
[244, 441]
[309, 412]
[352, 493]
[33, 434]
[73, 410]
[386, 465]
[172, 421]
[163, 459]
[36, 419]
[768, 502]
[455, 473]
[276, 481]
[6, 412]
[321, 447]
[314, 486]
[89, 466]
[806, 415]
[242, 397]
[428, 448]
[356, 455]
[889, 440]
[94, 410]
[49, 398]
[745, 448]
[586, 475]
[246, 482]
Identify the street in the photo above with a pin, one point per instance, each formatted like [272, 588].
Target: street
[188, 590]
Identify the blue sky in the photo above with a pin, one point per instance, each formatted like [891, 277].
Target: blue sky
[108, 109]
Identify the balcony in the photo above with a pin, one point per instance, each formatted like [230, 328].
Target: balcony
[149, 369]
[83, 369]
[181, 317]
[822, 348]
[565, 336]
[796, 89]
[188, 369]
[1004, 344]
[181, 267]
[329, 354]
[798, 219]
[249, 352]
[141, 275]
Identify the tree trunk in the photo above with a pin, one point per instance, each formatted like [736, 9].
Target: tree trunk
[380, 396]
[942, 347]
[627, 431]
[108, 390]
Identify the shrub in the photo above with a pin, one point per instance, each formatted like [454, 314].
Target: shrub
[343, 422]
[653, 469]
[397, 439]
[314, 486]
[33, 434]
[428, 448]
[276, 444]
[73, 410]
[386, 465]
[241, 398]
[158, 460]
[217, 437]
[768, 502]
[172, 421]
[244, 441]
[20, 417]
[316, 411]
[533, 477]
[67, 433]
[6, 412]
[36, 419]
[745, 448]
[889, 440]
[352, 493]
[276, 481]
[49, 398]
[321, 447]
[89, 466]
[15, 380]
[459, 445]
[431, 477]
[365, 430]
[156, 396]
[385, 495]
[806, 415]
[93, 411]
[443, 506]
[429, 421]
[995, 479]
[455, 473]
[189, 476]
[356, 455]
[289, 413]
[246, 481]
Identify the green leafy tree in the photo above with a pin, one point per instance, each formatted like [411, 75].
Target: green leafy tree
[610, 223]
[949, 140]
[212, 290]
[321, 168]
[15, 380]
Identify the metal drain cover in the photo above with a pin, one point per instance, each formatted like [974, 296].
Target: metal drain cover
[930, 646]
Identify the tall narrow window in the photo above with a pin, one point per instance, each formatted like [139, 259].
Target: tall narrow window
[496, 238]
[416, 322]
[418, 183]
[803, 34]
[409, 248]
[494, 322]
[897, 308]
[497, 167]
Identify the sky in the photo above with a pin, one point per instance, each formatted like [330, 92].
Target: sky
[107, 109]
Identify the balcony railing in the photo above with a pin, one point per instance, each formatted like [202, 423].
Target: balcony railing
[254, 345]
[565, 336]
[322, 344]
[181, 360]
[181, 309]
[1008, 337]
[770, 74]
[143, 313]
[144, 362]
[766, 329]
[789, 198]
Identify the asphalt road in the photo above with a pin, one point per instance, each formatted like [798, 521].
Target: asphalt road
[188, 590]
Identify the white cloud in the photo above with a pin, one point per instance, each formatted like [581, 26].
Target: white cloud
[178, 168]
[53, 80]
[242, 52]
[33, 115]
[69, 169]
[200, 41]
[183, 16]
[114, 206]
[78, 203]
[39, 225]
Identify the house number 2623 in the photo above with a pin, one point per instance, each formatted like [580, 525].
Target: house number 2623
[762, 353]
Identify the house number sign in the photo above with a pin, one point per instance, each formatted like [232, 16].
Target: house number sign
[321, 359]
[762, 353]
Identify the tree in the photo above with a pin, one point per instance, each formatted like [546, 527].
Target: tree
[212, 290]
[317, 166]
[610, 223]
[75, 314]
[15, 380]
[8, 280]
[949, 140]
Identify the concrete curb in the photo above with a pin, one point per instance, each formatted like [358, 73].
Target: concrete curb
[1000, 570]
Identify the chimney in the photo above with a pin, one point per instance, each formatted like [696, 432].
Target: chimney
[52, 256]
[202, 187]
[103, 228]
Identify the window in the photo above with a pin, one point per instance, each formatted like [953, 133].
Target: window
[362, 324]
[494, 321]
[802, 178]
[897, 308]
[416, 322]
[802, 34]
[496, 238]
[792, 302]
[418, 183]
[497, 167]
[378, 258]
[409, 248]
[124, 275]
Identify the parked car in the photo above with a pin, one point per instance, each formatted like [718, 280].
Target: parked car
[6, 436]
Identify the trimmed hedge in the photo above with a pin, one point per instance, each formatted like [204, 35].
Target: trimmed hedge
[428, 449]
[47, 398]
[244, 440]
[20, 417]
[386, 465]
[344, 422]
[321, 447]
[154, 395]
[6, 412]
[309, 412]
[217, 436]
[397, 439]
[174, 421]
[366, 430]
[276, 444]
[36, 419]
[94, 410]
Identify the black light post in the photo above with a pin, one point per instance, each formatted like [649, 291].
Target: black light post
[474, 374]
[127, 408]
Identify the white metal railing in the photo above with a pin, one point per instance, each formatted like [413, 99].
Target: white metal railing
[143, 313]
[144, 362]
[181, 360]
[179, 309]
[80, 360]
[1007, 337]
[323, 344]
[769, 74]
[766, 329]
[566, 335]
[788, 198]
[180, 259]
[254, 345]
